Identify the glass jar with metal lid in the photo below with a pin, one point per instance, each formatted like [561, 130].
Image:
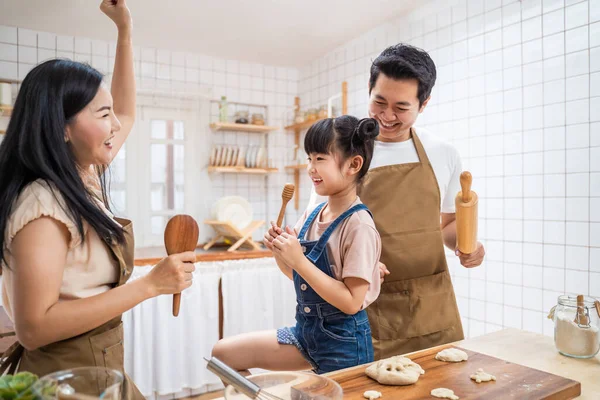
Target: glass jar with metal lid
[576, 326]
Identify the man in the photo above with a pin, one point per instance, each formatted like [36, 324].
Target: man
[410, 189]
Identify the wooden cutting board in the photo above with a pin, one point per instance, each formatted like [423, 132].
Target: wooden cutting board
[513, 381]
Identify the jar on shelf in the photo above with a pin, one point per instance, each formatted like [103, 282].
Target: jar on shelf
[334, 112]
[322, 112]
[258, 119]
[311, 114]
[576, 326]
[299, 117]
[223, 109]
[241, 117]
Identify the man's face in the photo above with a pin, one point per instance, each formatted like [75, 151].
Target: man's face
[395, 106]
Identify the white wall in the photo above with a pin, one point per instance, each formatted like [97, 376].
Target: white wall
[164, 71]
[518, 94]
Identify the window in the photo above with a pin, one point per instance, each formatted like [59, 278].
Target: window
[117, 183]
[167, 169]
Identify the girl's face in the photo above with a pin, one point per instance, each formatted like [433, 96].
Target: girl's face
[330, 175]
[91, 132]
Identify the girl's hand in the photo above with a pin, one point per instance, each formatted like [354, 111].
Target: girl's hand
[172, 274]
[288, 249]
[271, 234]
[117, 11]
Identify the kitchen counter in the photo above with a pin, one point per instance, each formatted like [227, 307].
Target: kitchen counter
[534, 351]
[152, 255]
[537, 351]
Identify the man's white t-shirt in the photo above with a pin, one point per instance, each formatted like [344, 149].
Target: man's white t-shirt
[443, 156]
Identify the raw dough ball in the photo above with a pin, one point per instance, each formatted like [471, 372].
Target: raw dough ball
[452, 355]
[372, 394]
[482, 376]
[396, 370]
[444, 393]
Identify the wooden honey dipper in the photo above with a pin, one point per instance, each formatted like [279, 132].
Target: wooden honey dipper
[181, 235]
[286, 195]
[466, 202]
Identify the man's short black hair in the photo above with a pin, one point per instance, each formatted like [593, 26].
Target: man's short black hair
[403, 61]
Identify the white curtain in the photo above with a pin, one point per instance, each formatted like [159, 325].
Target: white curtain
[256, 296]
[164, 354]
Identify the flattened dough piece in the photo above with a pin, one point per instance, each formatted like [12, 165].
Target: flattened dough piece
[482, 376]
[444, 393]
[396, 370]
[372, 394]
[452, 355]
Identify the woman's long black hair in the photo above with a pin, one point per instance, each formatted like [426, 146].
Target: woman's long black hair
[34, 147]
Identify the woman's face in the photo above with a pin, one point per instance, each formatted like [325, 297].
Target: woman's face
[91, 132]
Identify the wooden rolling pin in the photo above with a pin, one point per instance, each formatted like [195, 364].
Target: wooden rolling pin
[181, 235]
[286, 196]
[466, 215]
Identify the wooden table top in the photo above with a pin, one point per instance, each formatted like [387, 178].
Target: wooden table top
[531, 350]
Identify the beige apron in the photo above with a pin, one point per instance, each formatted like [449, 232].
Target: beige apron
[100, 347]
[416, 308]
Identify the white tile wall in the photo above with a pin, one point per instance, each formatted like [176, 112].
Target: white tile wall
[527, 127]
[165, 70]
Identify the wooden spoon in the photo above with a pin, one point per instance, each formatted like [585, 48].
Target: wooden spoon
[286, 195]
[181, 235]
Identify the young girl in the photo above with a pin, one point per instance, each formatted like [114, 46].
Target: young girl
[332, 256]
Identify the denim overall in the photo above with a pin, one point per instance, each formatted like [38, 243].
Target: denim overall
[328, 338]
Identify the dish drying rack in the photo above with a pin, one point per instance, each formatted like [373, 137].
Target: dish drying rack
[240, 237]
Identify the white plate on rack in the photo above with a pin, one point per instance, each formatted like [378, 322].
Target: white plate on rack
[240, 160]
[253, 157]
[213, 156]
[234, 156]
[234, 209]
[249, 157]
[218, 156]
[228, 156]
[259, 157]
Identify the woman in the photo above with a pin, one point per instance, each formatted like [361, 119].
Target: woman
[64, 257]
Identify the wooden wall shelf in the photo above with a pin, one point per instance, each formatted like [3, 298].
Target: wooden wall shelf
[242, 170]
[225, 126]
[302, 126]
[298, 166]
[5, 111]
